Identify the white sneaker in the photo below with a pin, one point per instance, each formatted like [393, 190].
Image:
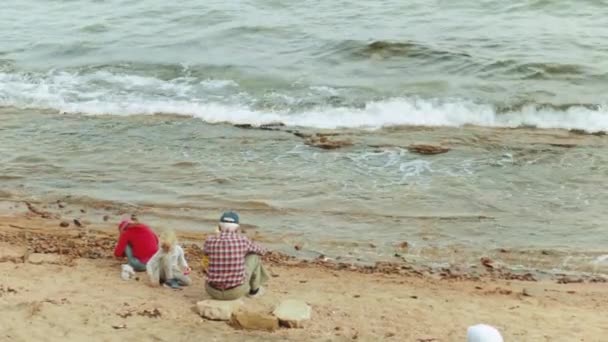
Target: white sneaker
[127, 272]
[257, 294]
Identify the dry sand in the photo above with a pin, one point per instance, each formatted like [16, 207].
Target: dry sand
[84, 299]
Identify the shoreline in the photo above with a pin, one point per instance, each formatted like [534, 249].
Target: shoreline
[486, 267]
[83, 294]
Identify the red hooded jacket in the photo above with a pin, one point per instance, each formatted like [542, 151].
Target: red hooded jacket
[143, 242]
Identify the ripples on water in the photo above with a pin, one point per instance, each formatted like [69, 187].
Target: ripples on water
[338, 64]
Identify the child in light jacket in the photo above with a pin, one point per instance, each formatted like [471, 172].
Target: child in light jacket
[169, 266]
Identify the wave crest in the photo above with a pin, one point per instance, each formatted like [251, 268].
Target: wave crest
[104, 93]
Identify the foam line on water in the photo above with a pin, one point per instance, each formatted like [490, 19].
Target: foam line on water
[103, 93]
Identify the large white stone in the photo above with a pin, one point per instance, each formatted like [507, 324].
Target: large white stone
[218, 310]
[293, 313]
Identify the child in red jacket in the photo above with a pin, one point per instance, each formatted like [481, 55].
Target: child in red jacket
[137, 242]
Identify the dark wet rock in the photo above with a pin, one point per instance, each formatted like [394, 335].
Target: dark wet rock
[487, 262]
[325, 143]
[78, 223]
[427, 149]
[83, 211]
[64, 224]
[583, 132]
[273, 126]
[60, 204]
[297, 247]
[106, 218]
[244, 126]
[563, 145]
[41, 213]
[302, 135]
[403, 245]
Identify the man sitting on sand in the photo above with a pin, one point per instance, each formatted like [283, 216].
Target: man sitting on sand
[137, 242]
[235, 267]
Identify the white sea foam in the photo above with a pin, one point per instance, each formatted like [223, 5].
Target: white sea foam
[107, 93]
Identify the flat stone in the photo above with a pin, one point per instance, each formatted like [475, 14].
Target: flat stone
[12, 253]
[254, 321]
[293, 313]
[427, 149]
[41, 258]
[218, 310]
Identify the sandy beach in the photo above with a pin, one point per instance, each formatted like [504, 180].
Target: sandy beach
[76, 294]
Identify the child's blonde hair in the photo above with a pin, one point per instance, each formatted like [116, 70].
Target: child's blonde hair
[167, 237]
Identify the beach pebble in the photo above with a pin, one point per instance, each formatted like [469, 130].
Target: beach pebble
[218, 310]
[12, 253]
[64, 224]
[293, 313]
[250, 320]
[40, 258]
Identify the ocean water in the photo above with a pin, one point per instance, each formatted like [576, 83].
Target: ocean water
[135, 103]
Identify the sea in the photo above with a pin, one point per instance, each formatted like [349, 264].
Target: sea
[179, 111]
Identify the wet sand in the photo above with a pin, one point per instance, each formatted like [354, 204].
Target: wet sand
[78, 295]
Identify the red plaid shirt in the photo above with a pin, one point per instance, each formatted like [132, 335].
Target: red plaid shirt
[227, 253]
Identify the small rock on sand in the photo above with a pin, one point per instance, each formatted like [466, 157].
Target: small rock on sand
[218, 310]
[40, 258]
[12, 253]
[254, 321]
[292, 313]
[64, 224]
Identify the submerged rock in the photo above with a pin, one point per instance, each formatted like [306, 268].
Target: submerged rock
[325, 143]
[427, 149]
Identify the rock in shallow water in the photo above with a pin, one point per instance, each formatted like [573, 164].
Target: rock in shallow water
[427, 149]
[293, 313]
